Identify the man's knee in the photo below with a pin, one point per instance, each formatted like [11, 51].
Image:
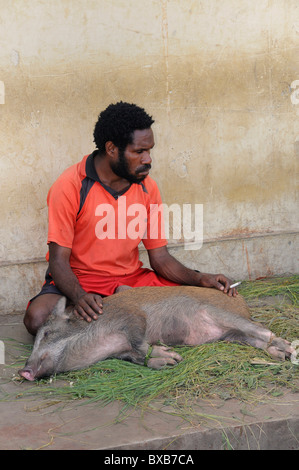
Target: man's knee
[122, 288]
[38, 312]
[32, 320]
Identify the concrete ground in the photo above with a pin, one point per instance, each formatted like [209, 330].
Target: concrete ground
[37, 423]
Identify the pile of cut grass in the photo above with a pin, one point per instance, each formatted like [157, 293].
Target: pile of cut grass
[285, 287]
[221, 369]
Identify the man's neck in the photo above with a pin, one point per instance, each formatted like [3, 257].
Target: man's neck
[107, 176]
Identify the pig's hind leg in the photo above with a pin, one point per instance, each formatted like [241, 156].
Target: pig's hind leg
[209, 326]
[248, 332]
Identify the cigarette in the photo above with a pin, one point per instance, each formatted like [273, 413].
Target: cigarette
[235, 285]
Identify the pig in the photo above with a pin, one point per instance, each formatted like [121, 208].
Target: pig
[136, 320]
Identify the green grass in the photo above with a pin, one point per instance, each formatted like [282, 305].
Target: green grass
[286, 287]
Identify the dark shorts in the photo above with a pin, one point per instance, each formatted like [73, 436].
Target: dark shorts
[105, 286]
[48, 287]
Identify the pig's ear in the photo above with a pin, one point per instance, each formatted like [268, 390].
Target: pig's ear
[59, 309]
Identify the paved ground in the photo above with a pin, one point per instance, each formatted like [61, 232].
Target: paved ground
[35, 423]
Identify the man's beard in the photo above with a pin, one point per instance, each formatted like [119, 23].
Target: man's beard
[121, 168]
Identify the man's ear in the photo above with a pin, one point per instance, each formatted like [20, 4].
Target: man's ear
[111, 149]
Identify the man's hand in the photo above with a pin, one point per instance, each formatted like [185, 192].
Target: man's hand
[219, 281]
[89, 306]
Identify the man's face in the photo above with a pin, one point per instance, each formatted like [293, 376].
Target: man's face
[134, 162]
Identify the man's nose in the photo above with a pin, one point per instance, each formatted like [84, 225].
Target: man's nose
[146, 158]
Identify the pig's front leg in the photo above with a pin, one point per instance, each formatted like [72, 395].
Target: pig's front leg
[161, 356]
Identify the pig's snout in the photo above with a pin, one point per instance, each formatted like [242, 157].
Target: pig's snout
[27, 373]
[43, 367]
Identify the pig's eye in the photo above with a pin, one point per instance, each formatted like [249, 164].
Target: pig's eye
[46, 334]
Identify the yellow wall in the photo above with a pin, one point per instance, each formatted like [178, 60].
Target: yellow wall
[219, 77]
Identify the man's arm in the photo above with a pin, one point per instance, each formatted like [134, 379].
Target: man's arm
[167, 266]
[88, 306]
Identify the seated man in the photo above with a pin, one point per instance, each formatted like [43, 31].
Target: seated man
[90, 251]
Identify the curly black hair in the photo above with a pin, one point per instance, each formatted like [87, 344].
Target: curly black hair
[117, 124]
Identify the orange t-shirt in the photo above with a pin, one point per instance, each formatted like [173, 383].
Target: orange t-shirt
[103, 228]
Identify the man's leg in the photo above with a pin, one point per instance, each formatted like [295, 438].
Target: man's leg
[38, 311]
[122, 288]
[146, 277]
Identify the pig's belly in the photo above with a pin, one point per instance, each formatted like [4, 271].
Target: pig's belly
[201, 334]
[203, 329]
[196, 328]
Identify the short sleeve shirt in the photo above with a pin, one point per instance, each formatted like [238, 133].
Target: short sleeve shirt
[101, 227]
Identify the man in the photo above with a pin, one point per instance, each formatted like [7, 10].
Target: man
[90, 252]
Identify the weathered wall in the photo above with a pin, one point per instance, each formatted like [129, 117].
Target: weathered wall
[220, 79]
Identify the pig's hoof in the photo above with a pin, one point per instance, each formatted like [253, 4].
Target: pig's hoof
[280, 348]
[162, 356]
